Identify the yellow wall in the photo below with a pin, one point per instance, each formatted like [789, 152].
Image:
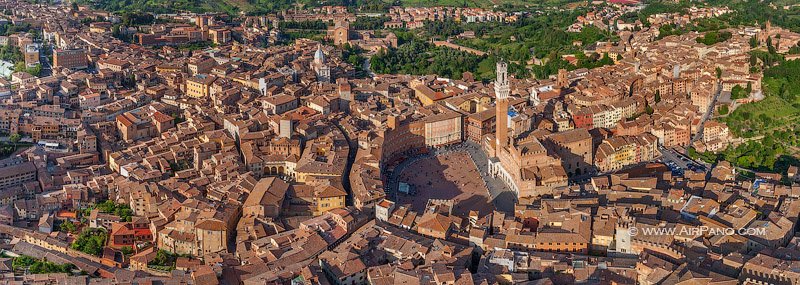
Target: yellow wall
[196, 90]
[324, 205]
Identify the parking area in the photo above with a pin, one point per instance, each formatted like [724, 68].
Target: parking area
[679, 163]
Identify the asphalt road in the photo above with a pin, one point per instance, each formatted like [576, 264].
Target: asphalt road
[47, 69]
[668, 155]
[708, 114]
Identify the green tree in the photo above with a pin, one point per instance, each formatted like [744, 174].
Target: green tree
[443, 29]
[723, 110]
[369, 23]
[121, 210]
[11, 54]
[22, 67]
[163, 260]
[91, 241]
[647, 109]
[418, 58]
[714, 37]
[737, 92]
[15, 138]
[68, 227]
[753, 42]
[37, 266]
[770, 48]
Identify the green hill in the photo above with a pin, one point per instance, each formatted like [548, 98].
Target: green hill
[171, 6]
[270, 6]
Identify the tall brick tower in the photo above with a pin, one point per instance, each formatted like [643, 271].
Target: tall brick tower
[561, 81]
[501, 91]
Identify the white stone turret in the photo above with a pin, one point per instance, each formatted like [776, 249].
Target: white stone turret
[501, 87]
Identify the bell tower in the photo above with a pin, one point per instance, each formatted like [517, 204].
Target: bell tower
[501, 92]
[562, 80]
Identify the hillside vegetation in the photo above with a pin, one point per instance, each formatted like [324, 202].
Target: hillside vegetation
[272, 6]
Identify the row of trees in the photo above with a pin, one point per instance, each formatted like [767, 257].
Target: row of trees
[196, 46]
[67, 227]
[671, 30]
[33, 70]
[442, 29]
[553, 62]
[37, 266]
[594, 60]
[7, 149]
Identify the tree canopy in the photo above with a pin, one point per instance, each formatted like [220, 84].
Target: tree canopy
[91, 241]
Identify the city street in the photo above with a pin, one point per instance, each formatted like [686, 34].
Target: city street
[47, 69]
[708, 114]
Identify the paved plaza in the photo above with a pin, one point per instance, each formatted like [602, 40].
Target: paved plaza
[446, 176]
[502, 198]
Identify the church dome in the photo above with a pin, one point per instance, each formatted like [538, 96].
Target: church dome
[319, 56]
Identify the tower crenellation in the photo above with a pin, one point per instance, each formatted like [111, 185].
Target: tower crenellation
[501, 86]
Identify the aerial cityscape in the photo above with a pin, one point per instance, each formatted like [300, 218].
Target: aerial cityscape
[399, 142]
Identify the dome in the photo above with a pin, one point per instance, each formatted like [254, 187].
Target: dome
[319, 56]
